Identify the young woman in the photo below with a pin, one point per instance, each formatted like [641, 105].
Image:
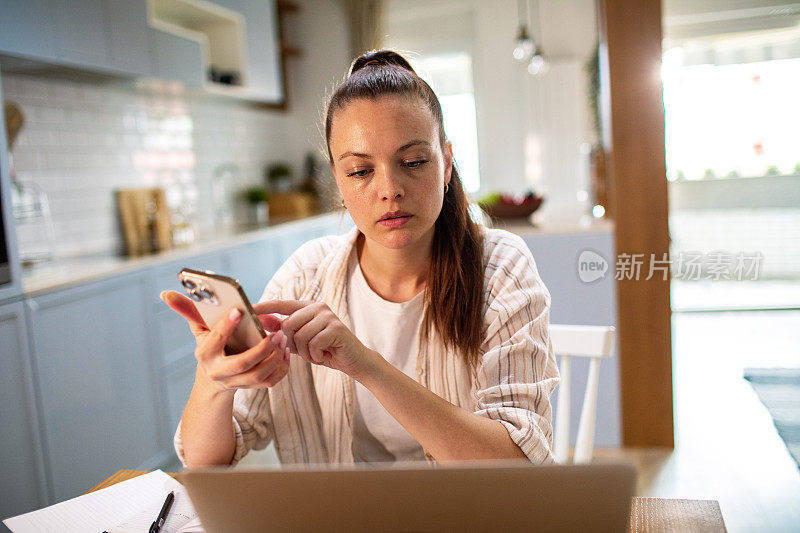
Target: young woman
[418, 335]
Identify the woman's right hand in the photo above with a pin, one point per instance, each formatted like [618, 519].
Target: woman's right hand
[261, 366]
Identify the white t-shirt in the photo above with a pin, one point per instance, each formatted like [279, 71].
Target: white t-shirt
[391, 329]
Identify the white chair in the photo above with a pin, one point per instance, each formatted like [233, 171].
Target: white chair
[595, 342]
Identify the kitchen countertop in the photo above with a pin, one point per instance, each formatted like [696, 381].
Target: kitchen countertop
[523, 228]
[76, 270]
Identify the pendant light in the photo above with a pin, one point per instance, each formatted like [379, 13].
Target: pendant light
[538, 65]
[525, 48]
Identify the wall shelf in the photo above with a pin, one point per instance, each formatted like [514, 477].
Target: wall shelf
[219, 31]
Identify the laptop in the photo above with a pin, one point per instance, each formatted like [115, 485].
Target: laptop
[459, 496]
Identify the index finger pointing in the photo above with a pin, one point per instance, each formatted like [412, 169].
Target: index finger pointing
[282, 307]
[184, 307]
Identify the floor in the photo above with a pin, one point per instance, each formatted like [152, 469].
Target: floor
[727, 448]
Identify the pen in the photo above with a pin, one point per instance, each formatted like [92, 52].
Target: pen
[156, 526]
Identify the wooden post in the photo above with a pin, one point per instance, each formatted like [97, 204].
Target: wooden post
[630, 37]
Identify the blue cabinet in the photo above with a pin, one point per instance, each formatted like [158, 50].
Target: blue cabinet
[109, 36]
[128, 37]
[100, 399]
[176, 58]
[264, 77]
[178, 382]
[27, 29]
[114, 37]
[254, 264]
[80, 32]
[94, 378]
[174, 342]
[23, 485]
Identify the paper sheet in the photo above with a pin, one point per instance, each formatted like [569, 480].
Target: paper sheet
[99, 510]
[182, 517]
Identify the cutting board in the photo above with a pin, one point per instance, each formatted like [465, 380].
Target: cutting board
[145, 220]
[291, 205]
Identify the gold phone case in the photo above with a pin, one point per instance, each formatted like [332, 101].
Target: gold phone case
[214, 295]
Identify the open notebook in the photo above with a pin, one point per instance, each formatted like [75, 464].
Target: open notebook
[127, 507]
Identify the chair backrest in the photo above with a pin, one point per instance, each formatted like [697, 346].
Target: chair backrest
[595, 342]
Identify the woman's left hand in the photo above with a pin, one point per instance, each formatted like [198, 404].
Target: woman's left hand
[316, 334]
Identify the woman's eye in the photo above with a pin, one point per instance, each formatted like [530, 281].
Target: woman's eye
[416, 164]
[359, 173]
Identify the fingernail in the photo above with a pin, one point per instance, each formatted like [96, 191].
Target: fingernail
[161, 295]
[234, 315]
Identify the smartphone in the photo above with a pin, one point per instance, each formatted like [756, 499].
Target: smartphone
[214, 295]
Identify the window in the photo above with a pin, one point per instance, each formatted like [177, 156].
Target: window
[450, 76]
[731, 120]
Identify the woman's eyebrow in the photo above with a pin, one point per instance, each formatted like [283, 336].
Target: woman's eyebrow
[413, 143]
[406, 146]
[356, 154]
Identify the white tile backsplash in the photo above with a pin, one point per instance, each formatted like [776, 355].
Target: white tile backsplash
[81, 141]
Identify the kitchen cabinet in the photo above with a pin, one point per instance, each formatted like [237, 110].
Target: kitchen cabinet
[174, 342]
[106, 36]
[100, 399]
[254, 264]
[264, 77]
[94, 377]
[178, 383]
[80, 32]
[23, 486]
[27, 29]
[120, 37]
[129, 37]
[176, 58]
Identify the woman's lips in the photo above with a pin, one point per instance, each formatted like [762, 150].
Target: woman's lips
[395, 222]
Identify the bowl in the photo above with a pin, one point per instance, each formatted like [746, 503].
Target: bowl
[525, 210]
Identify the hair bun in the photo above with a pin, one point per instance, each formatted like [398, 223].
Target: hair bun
[379, 58]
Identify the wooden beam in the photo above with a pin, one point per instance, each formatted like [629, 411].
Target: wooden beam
[630, 35]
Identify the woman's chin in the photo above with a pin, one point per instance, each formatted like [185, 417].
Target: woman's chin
[393, 239]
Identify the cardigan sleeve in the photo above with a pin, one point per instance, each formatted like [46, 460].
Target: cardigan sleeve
[252, 414]
[517, 371]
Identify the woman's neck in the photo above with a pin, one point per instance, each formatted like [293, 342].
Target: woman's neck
[396, 275]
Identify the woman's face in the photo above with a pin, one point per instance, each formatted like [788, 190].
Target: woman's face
[387, 158]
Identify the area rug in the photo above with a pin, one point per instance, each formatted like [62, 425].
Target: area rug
[779, 390]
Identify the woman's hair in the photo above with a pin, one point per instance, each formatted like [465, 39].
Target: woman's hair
[454, 292]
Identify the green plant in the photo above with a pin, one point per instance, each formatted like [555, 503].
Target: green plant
[772, 170]
[278, 171]
[592, 68]
[732, 174]
[797, 168]
[709, 174]
[255, 194]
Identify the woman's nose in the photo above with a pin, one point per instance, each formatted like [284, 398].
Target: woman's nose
[390, 187]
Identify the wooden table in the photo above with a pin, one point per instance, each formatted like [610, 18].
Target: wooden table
[652, 515]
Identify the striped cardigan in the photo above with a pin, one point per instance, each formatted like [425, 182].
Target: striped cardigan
[309, 414]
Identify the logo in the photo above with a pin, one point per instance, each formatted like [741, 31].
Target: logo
[591, 266]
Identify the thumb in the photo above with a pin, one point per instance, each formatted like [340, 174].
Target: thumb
[219, 334]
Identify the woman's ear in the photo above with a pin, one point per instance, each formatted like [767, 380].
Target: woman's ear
[448, 161]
